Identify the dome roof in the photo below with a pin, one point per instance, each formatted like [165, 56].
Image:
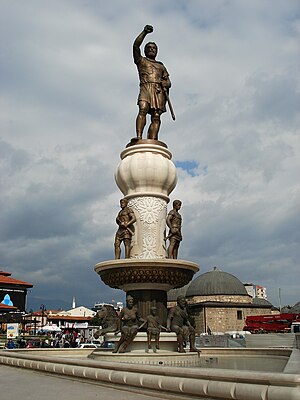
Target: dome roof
[174, 293]
[296, 308]
[258, 301]
[216, 282]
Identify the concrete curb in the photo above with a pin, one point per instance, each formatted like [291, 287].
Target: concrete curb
[220, 384]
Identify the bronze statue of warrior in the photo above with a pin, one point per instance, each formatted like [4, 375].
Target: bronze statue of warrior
[154, 86]
[129, 325]
[125, 219]
[174, 222]
[178, 322]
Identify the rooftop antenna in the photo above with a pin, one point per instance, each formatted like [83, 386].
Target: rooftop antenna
[279, 295]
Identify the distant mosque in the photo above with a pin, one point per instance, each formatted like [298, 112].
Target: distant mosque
[219, 302]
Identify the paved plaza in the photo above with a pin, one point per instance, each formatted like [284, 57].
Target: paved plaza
[18, 383]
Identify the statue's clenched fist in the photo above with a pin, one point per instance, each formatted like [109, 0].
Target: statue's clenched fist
[148, 29]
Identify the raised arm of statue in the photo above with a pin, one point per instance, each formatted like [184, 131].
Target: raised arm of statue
[138, 41]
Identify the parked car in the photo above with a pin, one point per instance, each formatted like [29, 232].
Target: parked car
[96, 342]
[108, 344]
[88, 346]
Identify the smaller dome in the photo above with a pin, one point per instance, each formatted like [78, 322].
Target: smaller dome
[216, 282]
[174, 293]
[258, 301]
[296, 308]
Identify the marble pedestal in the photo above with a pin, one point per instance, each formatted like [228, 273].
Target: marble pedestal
[167, 342]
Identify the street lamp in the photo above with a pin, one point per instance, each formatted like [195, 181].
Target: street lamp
[43, 308]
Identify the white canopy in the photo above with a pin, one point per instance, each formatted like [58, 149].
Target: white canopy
[50, 328]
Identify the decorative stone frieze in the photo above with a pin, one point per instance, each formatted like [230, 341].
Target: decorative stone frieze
[149, 240]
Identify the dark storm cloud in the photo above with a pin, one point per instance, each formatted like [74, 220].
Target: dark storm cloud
[276, 97]
[12, 159]
[36, 219]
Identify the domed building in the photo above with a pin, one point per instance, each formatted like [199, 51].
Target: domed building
[219, 302]
[296, 308]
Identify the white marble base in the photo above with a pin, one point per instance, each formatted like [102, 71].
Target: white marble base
[146, 176]
[167, 342]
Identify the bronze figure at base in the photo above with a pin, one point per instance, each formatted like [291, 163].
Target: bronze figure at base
[108, 320]
[153, 329]
[129, 325]
[178, 322]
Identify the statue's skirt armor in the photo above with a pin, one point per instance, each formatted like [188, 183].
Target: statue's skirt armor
[151, 74]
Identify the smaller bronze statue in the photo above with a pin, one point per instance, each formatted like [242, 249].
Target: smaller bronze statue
[109, 320]
[178, 322]
[154, 86]
[129, 325]
[153, 329]
[125, 219]
[174, 222]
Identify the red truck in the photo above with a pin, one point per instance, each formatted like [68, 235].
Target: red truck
[272, 323]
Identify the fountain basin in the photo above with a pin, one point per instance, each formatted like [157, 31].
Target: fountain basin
[183, 382]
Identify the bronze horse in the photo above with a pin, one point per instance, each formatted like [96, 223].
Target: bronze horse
[109, 320]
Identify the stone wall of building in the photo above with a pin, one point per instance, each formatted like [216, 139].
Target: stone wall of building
[223, 319]
[199, 322]
[226, 298]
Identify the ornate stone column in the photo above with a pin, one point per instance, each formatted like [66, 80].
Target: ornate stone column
[146, 176]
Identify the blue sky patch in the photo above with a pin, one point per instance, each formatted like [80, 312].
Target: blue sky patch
[192, 167]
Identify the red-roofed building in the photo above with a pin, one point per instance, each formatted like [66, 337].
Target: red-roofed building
[13, 292]
[69, 321]
[77, 318]
[5, 308]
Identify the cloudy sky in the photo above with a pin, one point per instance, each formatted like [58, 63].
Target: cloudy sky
[68, 90]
